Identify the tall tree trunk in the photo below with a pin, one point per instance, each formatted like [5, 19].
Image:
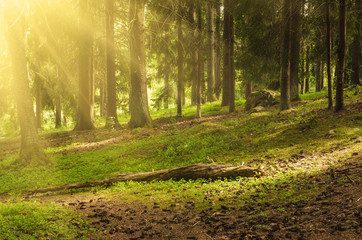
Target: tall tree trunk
[180, 66]
[302, 75]
[39, 100]
[285, 64]
[138, 103]
[217, 49]
[356, 46]
[200, 60]
[84, 110]
[30, 150]
[318, 77]
[341, 55]
[58, 112]
[210, 18]
[248, 89]
[329, 51]
[194, 55]
[112, 120]
[227, 75]
[92, 80]
[295, 49]
[307, 72]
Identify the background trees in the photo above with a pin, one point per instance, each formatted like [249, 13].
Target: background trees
[130, 64]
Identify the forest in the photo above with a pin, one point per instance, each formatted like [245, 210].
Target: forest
[180, 119]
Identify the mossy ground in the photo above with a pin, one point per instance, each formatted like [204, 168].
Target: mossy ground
[292, 148]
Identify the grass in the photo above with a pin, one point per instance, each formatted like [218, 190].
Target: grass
[260, 140]
[32, 220]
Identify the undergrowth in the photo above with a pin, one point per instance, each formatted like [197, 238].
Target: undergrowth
[32, 220]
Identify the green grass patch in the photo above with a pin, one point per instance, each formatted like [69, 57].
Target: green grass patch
[32, 220]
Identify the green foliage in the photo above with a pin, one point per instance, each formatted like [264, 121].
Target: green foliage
[32, 220]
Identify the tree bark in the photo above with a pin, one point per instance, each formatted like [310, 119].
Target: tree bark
[180, 66]
[295, 49]
[341, 56]
[39, 100]
[58, 112]
[228, 98]
[218, 50]
[200, 61]
[248, 89]
[191, 172]
[210, 18]
[329, 51]
[356, 46]
[285, 64]
[30, 150]
[84, 110]
[112, 119]
[138, 103]
[307, 73]
[194, 55]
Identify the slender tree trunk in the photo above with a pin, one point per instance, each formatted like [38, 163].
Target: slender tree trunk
[318, 78]
[92, 81]
[302, 75]
[30, 150]
[84, 110]
[217, 50]
[58, 112]
[200, 60]
[194, 56]
[227, 75]
[232, 70]
[39, 100]
[307, 72]
[295, 49]
[180, 66]
[341, 55]
[285, 64]
[248, 89]
[356, 47]
[329, 51]
[112, 120]
[138, 103]
[210, 18]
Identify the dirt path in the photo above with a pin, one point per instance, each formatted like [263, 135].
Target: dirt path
[335, 213]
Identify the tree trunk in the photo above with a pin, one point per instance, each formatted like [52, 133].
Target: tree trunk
[341, 55]
[356, 46]
[285, 64]
[307, 73]
[180, 66]
[200, 61]
[92, 81]
[138, 103]
[210, 17]
[295, 49]
[318, 77]
[112, 119]
[58, 112]
[228, 71]
[248, 89]
[84, 110]
[194, 56]
[30, 150]
[218, 50]
[39, 100]
[191, 172]
[329, 51]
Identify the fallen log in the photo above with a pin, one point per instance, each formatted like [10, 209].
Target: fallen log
[191, 172]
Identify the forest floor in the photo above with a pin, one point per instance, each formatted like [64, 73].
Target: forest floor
[311, 187]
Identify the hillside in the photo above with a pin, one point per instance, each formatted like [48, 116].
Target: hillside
[310, 187]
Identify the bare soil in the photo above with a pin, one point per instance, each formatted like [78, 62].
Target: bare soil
[335, 213]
